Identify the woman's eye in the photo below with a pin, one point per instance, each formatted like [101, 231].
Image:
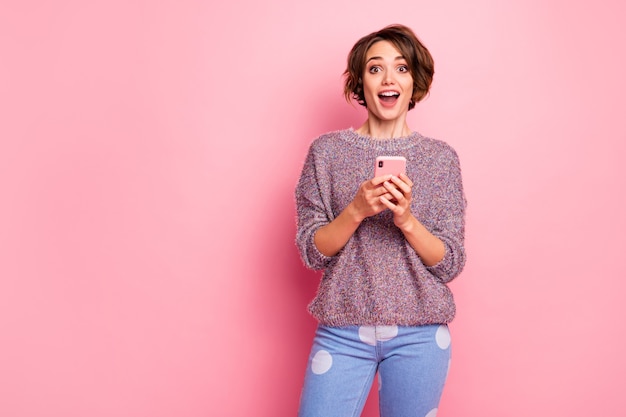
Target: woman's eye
[403, 68]
[374, 70]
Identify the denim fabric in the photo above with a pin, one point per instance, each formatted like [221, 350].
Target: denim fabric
[412, 365]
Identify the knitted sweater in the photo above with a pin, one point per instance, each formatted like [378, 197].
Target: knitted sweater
[378, 278]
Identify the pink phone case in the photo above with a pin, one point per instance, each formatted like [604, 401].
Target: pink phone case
[394, 165]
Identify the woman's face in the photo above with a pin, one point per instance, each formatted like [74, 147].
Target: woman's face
[387, 82]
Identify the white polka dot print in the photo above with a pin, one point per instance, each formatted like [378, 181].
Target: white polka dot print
[321, 362]
[372, 334]
[432, 413]
[443, 337]
[367, 334]
[384, 333]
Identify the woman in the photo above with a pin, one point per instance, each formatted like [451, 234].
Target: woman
[388, 245]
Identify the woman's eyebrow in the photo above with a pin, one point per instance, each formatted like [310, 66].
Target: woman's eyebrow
[374, 58]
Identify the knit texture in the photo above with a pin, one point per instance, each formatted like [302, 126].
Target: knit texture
[378, 278]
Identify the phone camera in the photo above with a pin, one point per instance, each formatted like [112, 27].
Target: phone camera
[380, 164]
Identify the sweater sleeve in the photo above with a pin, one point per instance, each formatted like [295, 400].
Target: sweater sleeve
[448, 220]
[313, 209]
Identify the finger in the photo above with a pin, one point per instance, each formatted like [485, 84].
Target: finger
[393, 189]
[406, 179]
[388, 196]
[376, 181]
[402, 185]
[377, 191]
[373, 196]
[388, 203]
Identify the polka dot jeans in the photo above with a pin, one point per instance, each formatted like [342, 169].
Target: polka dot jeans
[412, 365]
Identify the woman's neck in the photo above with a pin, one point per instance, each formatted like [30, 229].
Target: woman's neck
[384, 130]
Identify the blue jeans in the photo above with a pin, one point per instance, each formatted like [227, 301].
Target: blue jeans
[412, 365]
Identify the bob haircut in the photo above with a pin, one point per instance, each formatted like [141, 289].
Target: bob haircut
[418, 58]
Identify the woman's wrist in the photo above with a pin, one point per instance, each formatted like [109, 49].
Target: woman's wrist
[408, 225]
[352, 213]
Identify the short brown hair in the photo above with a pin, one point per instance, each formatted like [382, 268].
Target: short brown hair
[418, 58]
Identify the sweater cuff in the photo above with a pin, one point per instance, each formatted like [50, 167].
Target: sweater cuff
[315, 258]
[442, 268]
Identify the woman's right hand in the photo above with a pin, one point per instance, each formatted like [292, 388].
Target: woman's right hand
[367, 201]
[330, 238]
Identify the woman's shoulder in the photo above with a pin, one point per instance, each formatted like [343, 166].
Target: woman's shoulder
[328, 141]
[436, 147]
[330, 137]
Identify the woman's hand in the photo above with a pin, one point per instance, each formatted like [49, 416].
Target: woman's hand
[427, 246]
[367, 202]
[371, 196]
[398, 199]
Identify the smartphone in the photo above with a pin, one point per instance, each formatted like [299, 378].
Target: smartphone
[394, 165]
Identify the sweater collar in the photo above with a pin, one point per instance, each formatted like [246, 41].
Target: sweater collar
[367, 142]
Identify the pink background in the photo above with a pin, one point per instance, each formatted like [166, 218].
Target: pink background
[149, 152]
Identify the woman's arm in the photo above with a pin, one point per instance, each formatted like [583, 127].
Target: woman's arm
[320, 235]
[331, 238]
[439, 239]
[428, 247]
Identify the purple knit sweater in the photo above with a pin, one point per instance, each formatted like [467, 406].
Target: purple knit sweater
[378, 278]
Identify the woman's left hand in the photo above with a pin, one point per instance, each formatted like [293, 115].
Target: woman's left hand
[400, 205]
[428, 247]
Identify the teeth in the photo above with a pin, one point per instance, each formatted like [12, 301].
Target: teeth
[389, 94]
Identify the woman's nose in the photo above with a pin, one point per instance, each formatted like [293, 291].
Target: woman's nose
[388, 77]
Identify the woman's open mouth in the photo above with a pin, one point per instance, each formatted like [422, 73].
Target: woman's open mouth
[389, 97]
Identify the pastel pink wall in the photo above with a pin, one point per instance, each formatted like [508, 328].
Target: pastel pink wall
[149, 152]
